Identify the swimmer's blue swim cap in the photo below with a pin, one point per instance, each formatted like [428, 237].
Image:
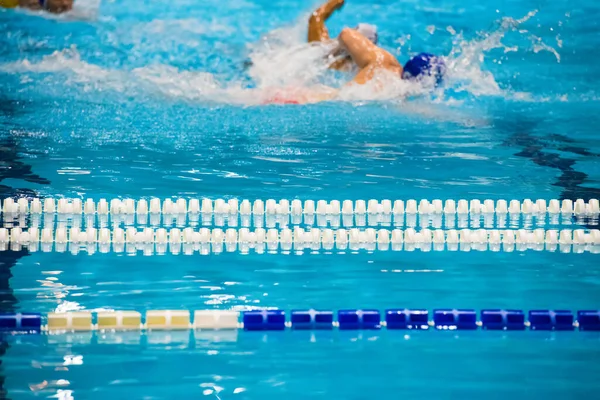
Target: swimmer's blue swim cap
[425, 64]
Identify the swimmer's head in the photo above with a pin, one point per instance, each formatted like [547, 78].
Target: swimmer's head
[369, 31]
[423, 65]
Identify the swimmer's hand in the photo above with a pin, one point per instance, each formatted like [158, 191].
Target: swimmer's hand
[328, 8]
[317, 31]
[338, 4]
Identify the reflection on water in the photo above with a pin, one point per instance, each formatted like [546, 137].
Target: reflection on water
[547, 151]
[11, 166]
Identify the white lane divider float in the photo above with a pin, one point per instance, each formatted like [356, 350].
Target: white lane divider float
[437, 221]
[206, 241]
[284, 207]
[269, 213]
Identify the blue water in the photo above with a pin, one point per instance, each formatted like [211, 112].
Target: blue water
[142, 99]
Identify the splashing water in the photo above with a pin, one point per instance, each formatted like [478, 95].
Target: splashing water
[69, 62]
[465, 61]
[283, 58]
[194, 86]
[282, 61]
[162, 79]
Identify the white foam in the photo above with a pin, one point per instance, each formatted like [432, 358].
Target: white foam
[282, 62]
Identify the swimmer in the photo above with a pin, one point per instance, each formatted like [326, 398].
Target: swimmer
[373, 62]
[317, 32]
[372, 59]
[53, 6]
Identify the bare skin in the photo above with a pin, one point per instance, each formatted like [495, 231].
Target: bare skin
[368, 57]
[317, 30]
[53, 6]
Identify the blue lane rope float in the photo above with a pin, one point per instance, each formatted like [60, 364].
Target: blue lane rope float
[407, 319]
[559, 320]
[276, 320]
[504, 319]
[264, 320]
[311, 319]
[359, 319]
[21, 322]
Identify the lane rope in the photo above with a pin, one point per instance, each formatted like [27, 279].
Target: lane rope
[205, 206]
[207, 241]
[307, 319]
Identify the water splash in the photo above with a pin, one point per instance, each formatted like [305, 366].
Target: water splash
[162, 79]
[283, 58]
[194, 86]
[465, 61]
[283, 64]
[69, 62]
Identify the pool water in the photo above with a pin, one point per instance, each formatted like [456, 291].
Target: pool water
[162, 99]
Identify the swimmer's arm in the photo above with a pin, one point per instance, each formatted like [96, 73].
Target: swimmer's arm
[31, 4]
[361, 49]
[317, 31]
[53, 6]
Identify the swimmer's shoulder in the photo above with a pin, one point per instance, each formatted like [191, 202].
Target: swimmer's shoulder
[388, 61]
[384, 61]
